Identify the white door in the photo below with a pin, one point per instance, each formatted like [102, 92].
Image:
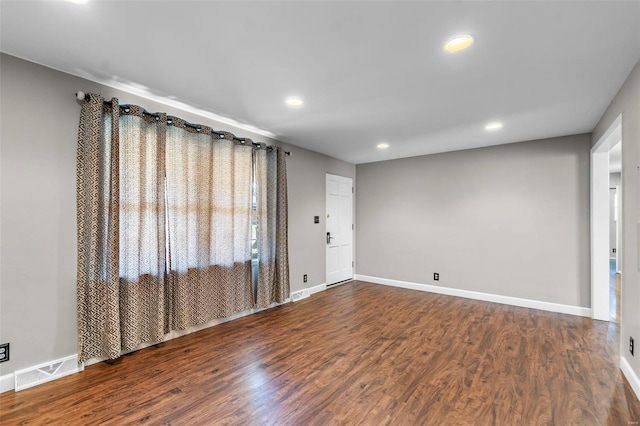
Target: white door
[339, 232]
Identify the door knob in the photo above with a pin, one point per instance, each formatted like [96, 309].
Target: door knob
[329, 238]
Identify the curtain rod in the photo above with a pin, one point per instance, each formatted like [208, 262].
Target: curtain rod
[81, 96]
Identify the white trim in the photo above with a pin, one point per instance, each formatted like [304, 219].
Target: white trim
[599, 219]
[317, 288]
[46, 376]
[609, 134]
[306, 292]
[300, 294]
[7, 382]
[630, 375]
[487, 297]
[599, 213]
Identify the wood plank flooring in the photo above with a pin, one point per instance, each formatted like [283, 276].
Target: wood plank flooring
[358, 353]
[615, 292]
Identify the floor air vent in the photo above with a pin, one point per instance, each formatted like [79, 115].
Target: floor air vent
[299, 295]
[43, 373]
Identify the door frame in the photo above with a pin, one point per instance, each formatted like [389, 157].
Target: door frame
[599, 217]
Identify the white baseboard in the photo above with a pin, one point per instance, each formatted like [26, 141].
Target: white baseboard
[306, 292]
[7, 382]
[317, 288]
[46, 372]
[631, 375]
[487, 297]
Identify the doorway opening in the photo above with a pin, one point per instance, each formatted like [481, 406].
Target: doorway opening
[615, 223]
[605, 291]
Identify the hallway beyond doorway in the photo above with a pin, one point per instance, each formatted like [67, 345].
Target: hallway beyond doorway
[615, 279]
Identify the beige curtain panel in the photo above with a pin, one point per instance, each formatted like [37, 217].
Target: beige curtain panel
[167, 212]
[209, 206]
[273, 255]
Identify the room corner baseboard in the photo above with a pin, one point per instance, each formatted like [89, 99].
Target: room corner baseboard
[630, 375]
[7, 382]
[487, 297]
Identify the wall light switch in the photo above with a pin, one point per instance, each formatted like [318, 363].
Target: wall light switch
[316, 219]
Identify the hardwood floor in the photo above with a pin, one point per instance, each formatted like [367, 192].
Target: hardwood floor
[356, 354]
[614, 297]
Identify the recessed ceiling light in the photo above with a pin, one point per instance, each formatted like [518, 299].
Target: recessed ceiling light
[294, 102]
[77, 1]
[493, 126]
[459, 43]
[382, 145]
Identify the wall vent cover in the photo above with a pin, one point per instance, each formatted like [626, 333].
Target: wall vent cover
[299, 295]
[46, 372]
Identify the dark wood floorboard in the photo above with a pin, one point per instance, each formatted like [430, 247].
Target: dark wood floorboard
[358, 353]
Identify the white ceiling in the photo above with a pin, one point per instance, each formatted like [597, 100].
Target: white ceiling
[369, 72]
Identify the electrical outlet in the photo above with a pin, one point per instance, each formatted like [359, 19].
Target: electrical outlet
[304, 278]
[436, 276]
[631, 345]
[4, 352]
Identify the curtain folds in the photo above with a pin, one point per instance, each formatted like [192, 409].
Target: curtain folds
[98, 215]
[209, 203]
[142, 251]
[165, 226]
[272, 207]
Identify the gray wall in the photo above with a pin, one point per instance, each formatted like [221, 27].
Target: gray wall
[38, 225]
[511, 220]
[627, 103]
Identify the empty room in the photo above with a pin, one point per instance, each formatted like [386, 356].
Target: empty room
[320, 212]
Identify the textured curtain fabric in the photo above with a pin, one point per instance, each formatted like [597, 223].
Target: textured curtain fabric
[120, 192]
[209, 208]
[272, 207]
[142, 249]
[165, 226]
[97, 216]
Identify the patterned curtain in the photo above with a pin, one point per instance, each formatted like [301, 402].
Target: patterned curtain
[164, 226]
[209, 208]
[272, 207]
[121, 254]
